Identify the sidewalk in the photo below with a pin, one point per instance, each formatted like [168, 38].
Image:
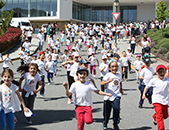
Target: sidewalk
[14, 52]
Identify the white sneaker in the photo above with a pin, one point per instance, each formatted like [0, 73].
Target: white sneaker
[94, 76]
[48, 83]
[69, 101]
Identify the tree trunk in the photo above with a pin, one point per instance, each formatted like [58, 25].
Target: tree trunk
[162, 32]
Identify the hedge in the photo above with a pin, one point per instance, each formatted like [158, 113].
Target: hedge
[10, 38]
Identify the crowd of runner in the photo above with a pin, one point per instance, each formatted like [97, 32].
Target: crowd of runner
[114, 70]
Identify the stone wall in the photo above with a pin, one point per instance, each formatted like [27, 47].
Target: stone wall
[38, 24]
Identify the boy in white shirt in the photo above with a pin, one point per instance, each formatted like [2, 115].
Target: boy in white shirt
[34, 59]
[83, 97]
[104, 51]
[7, 61]
[22, 53]
[146, 75]
[160, 96]
[27, 58]
[129, 55]
[50, 68]
[124, 60]
[103, 70]
[65, 56]
[137, 65]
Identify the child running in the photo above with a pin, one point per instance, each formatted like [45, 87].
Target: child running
[83, 97]
[93, 59]
[114, 86]
[29, 91]
[6, 62]
[50, 69]
[9, 101]
[160, 96]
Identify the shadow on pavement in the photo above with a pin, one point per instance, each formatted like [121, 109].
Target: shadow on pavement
[45, 117]
[129, 89]
[99, 102]
[141, 128]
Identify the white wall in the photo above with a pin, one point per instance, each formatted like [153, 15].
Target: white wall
[145, 12]
[65, 9]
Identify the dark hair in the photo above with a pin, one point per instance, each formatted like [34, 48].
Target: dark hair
[22, 48]
[65, 50]
[145, 38]
[25, 68]
[11, 74]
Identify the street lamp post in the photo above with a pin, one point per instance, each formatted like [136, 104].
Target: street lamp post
[116, 4]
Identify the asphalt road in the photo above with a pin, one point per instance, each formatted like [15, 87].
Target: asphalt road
[53, 112]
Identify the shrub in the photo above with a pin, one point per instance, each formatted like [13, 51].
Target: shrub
[162, 41]
[165, 45]
[154, 50]
[10, 38]
[153, 44]
[167, 55]
[163, 50]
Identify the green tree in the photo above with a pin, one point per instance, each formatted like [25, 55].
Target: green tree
[162, 13]
[5, 18]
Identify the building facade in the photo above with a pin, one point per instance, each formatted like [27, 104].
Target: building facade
[62, 11]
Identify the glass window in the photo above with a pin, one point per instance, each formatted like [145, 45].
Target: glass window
[33, 9]
[40, 11]
[46, 8]
[54, 8]
[9, 1]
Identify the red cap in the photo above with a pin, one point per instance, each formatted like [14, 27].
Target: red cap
[160, 66]
[167, 67]
[41, 53]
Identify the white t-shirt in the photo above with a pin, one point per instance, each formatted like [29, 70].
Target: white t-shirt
[46, 55]
[34, 61]
[40, 36]
[138, 64]
[129, 55]
[27, 46]
[65, 57]
[113, 87]
[6, 62]
[54, 57]
[160, 90]
[115, 49]
[83, 95]
[124, 61]
[73, 69]
[67, 42]
[90, 50]
[96, 43]
[8, 99]
[30, 83]
[104, 52]
[105, 71]
[52, 42]
[145, 44]
[62, 35]
[93, 60]
[28, 59]
[50, 66]
[22, 54]
[119, 67]
[147, 74]
[29, 33]
[41, 66]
